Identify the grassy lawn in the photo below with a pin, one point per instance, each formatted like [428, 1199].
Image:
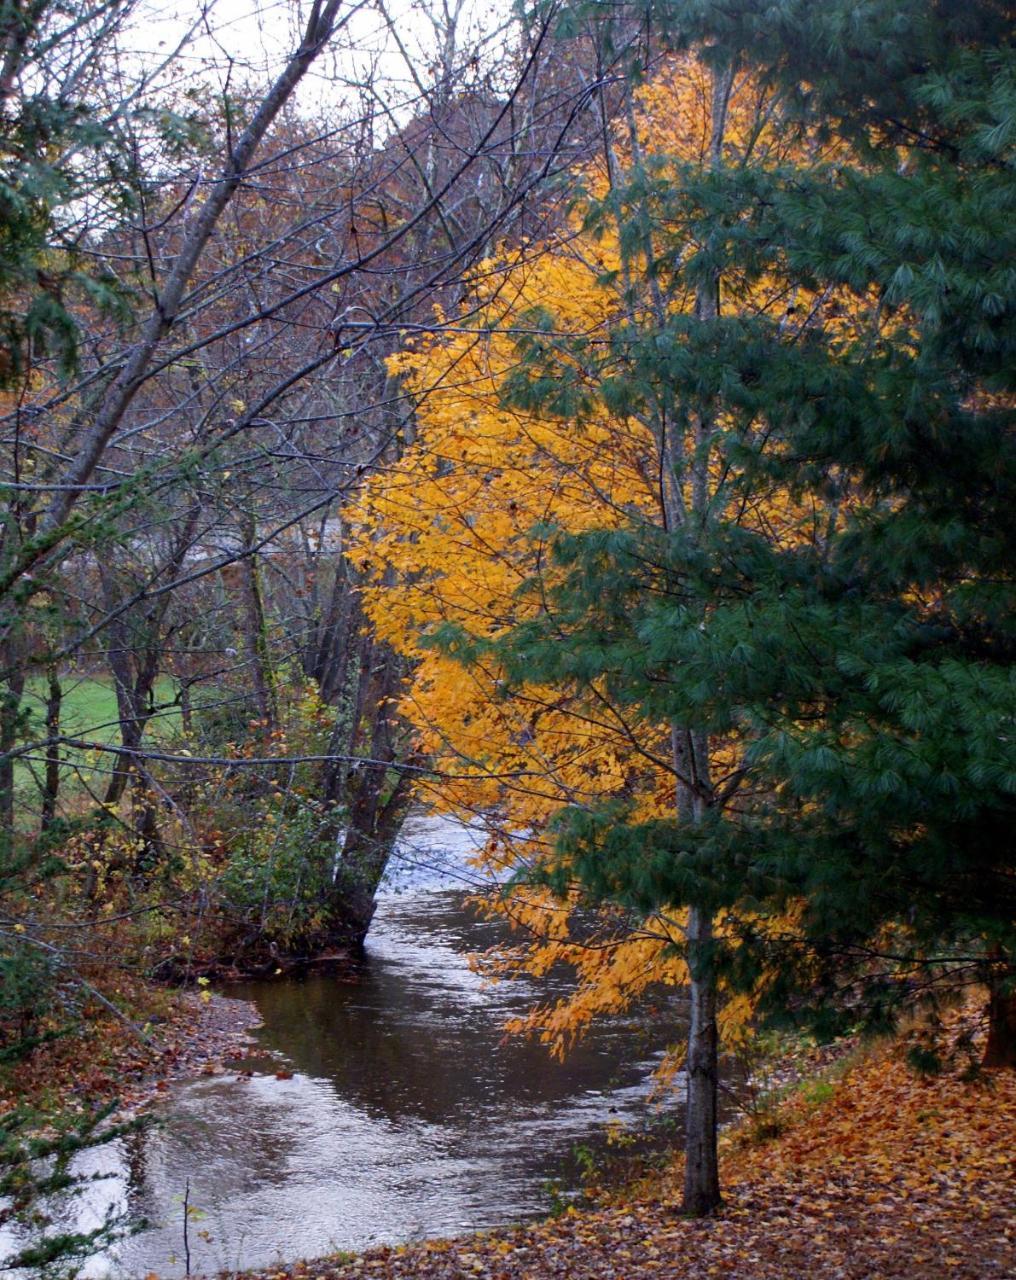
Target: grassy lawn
[88, 711]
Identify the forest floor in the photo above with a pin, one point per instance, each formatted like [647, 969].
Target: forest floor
[868, 1171]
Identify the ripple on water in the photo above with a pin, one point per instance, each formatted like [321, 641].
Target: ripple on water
[407, 1114]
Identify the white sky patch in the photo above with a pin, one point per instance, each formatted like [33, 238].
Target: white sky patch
[398, 46]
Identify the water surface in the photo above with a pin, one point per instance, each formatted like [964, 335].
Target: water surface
[407, 1114]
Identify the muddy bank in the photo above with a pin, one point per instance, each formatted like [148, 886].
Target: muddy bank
[177, 972]
[210, 1031]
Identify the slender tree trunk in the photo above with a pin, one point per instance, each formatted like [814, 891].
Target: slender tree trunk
[701, 1164]
[134, 656]
[134, 698]
[337, 636]
[701, 1168]
[128, 705]
[51, 790]
[10, 712]
[130, 739]
[691, 749]
[186, 709]
[1000, 1051]
[255, 640]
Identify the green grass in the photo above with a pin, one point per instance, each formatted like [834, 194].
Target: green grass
[89, 712]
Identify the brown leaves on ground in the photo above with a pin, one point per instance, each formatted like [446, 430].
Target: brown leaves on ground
[185, 1035]
[893, 1175]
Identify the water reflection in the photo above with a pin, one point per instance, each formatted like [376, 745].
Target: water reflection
[407, 1113]
[417, 1036]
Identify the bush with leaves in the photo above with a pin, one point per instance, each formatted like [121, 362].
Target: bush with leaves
[279, 879]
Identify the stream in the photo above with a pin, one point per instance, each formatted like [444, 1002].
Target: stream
[407, 1113]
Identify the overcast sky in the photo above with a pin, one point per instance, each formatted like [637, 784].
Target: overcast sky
[246, 41]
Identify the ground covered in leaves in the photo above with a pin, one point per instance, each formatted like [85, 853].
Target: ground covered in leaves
[172, 1035]
[875, 1171]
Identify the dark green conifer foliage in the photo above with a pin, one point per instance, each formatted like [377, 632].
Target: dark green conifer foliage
[66, 175]
[868, 668]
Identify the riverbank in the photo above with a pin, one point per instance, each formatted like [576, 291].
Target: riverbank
[869, 1170]
[178, 1035]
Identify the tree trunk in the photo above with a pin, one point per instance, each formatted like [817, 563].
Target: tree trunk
[701, 1169]
[690, 747]
[372, 820]
[255, 641]
[51, 790]
[370, 839]
[333, 638]
[133, 659]
[186, 709]
[1000, 1051]
[10, 721]
[130, 728]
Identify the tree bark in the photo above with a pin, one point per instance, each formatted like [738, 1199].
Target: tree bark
[10, 721]
[337, 636]
[255, 641]
[371, 835]
[371, 819]
[131, 728]
[1000, 1051]
[51, 790]
[701, 1168]
[690, 751]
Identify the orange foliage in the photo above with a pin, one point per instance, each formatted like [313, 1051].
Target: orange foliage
[446, 536]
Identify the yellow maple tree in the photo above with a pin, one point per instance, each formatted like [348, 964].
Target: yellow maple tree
[447, 537]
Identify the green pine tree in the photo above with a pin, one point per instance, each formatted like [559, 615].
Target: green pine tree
[866, 665]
